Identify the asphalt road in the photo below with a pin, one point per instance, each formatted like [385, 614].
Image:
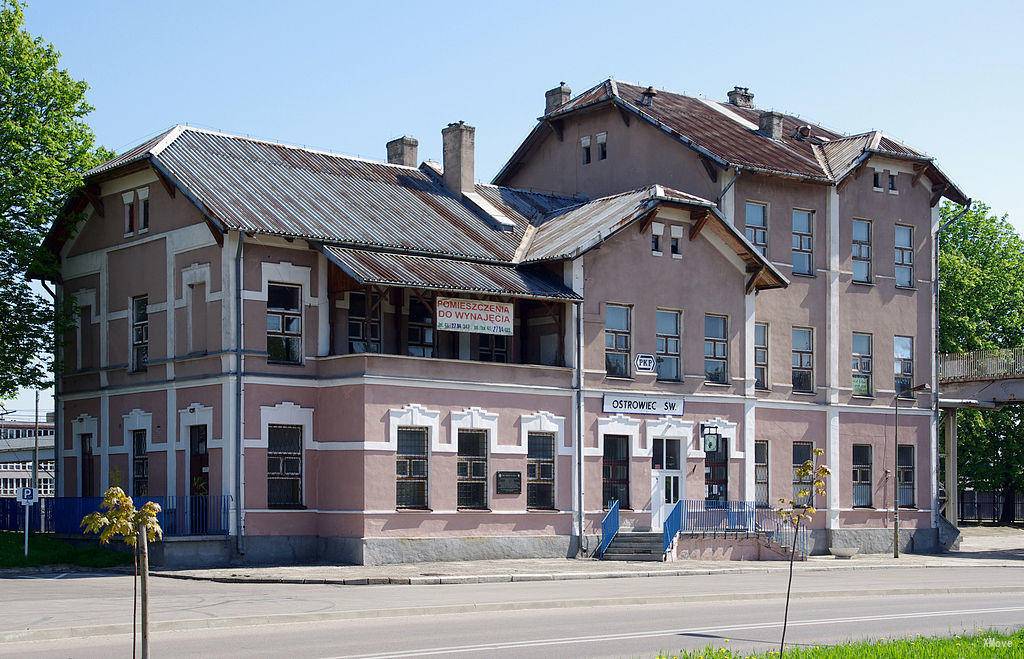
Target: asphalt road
[595, 618]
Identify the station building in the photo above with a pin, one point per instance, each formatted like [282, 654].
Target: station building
[660, 298]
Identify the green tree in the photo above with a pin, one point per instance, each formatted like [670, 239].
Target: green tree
[45, 147]
[981, 306]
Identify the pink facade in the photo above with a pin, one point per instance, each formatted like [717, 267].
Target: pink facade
[316, 461]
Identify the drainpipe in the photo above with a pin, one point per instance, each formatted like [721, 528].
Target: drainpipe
[580, 416]
[240, 443]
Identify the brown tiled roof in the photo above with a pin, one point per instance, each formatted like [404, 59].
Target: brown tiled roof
[727, 135]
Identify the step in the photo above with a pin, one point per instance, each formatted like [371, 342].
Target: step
[633, 557]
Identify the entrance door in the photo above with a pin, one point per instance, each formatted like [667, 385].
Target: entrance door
[199, 479]
[615, 471]
[716, 467]
[666, 479]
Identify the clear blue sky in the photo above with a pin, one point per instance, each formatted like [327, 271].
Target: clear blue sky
[943, 76]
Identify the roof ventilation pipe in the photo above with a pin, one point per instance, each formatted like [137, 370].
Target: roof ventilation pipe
[647, 98]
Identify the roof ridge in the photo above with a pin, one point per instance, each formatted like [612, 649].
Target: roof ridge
[530, 191]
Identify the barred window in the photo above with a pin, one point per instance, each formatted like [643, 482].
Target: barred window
[716, 349]
[540, 471]
[421, 330]
[903, 365]
[761, 356]
[493, 348]
[862, 251]
[617, 340]
[756, 218]
[803, 359]
[471, 473]
[803, 242]
[140, 333]
[905, 475]
[802, 452]
[667, 339]
[615, 471]
[284, 466]
[363, 322]
[411, 469]
[140, 464]
[904, 256]
[761, 492]
[861, 364]
[284, 323]
[861, 475]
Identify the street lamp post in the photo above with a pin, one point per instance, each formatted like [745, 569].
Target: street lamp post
[896, 470]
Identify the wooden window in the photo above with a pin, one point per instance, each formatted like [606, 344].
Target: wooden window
[861, 364]
[674, 246]
[284, 323]
[493, 348]
[877, 181]
[716, 349]
[761, 474]
[471, 474]
[140, 333]
[421, 330]
[803, 359]
[129, 212]
[143, 194]
[802, 452]
[667, 340]
[284, 466]
[585, 149]
[615, 471]
[761, 356]
[140, 464]
[602, 146]
[903, 365]
[755, 216]
[861, 475]
[540, 471]
[411, 469]
[905, 475]
[862, 251]
[892, 183]
[617, 340]
[904, 256]
[803, 242]
[363, 322]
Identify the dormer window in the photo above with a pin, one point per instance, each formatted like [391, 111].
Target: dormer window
[602, 146]
[585, 149]
[129, 212]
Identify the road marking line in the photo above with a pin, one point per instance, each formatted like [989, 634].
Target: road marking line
[568, 640]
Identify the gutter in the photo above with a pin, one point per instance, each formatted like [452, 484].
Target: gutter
[239, 361]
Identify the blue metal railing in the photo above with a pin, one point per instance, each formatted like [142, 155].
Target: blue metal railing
[671, 526]
[179, 515]
[783, 532]
[609, 527]
[704, 516]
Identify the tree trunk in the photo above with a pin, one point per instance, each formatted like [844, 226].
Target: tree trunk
[1009, 505]
[144, 590]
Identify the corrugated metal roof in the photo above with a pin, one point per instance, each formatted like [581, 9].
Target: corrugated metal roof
[390, 269]
[134, 154]
[266, 187]
[842, 155]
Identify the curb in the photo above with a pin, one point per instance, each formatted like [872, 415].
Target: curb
[547, 576]
[52, 634]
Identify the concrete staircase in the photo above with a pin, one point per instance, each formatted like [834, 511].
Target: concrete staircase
[636, 547]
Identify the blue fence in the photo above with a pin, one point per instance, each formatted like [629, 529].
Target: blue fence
[609, 527]
[703, 516]
[179, 516]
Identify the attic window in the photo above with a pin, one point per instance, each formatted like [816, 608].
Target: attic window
[657, 231]
[585, 149]
[129, 212]
[878, 181]
[143, 209]
[602, 146]
[892, 184]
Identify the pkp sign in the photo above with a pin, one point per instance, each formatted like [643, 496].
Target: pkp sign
[28, 495]
[645, 363]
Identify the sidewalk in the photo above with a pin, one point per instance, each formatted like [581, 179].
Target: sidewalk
[568, 569]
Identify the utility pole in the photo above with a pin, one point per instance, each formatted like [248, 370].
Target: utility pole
[143, 548]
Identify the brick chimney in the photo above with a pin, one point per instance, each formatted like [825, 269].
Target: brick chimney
[769, 124]
[402, 151]
[741, 97]
[556, 98]
[458, 140]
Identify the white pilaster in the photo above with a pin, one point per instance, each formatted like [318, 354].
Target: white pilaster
[832, 452]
